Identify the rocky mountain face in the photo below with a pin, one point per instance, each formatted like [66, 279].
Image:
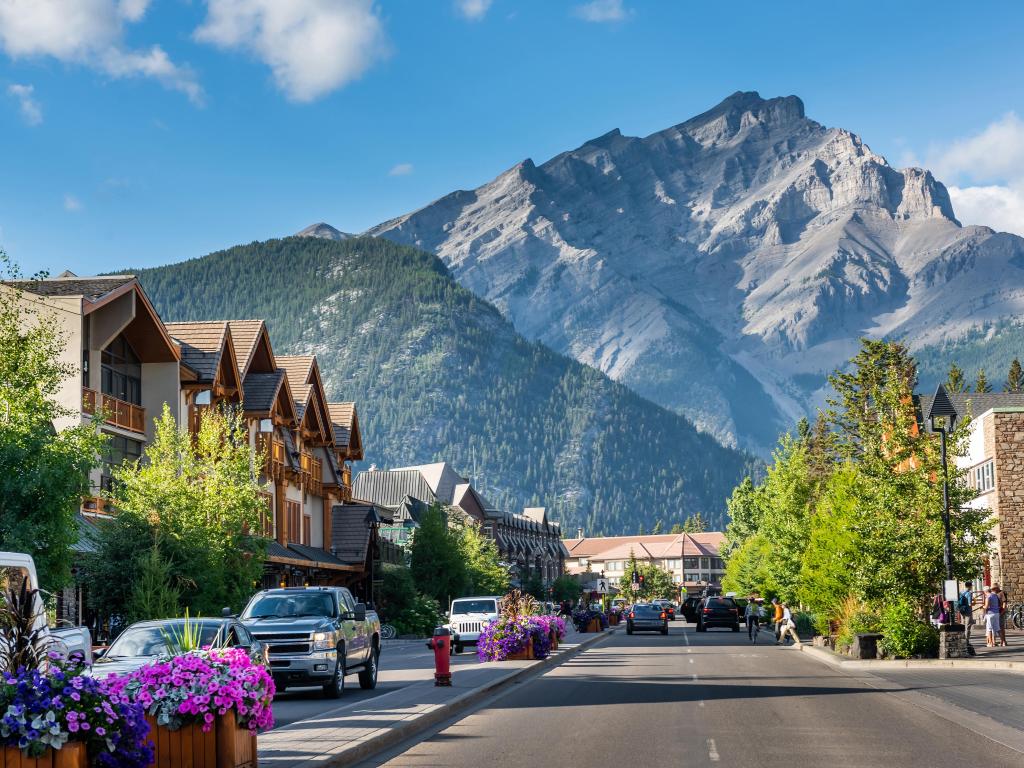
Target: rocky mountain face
[724, 266]
[323, 231]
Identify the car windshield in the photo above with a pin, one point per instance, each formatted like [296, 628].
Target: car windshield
[284, 606]
[647, 609]
[474, 606]
[158, 640]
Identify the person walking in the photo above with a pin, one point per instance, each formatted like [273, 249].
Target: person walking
[965, 607]
[991, 604]
[750, 614]
[788, 628]
[777, 616]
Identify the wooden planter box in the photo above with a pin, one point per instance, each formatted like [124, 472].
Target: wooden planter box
[554, 640]
[72, 755]
[223, 746]
[593, 626]
[524, 655]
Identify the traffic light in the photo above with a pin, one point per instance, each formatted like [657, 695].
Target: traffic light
[641, 579]
[637, 578]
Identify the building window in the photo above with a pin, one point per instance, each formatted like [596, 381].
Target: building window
[985, 477]
[717, 564]
[121, 372]
[705, 563]
[267, 515]
[307, 530]
[690, 562]
[294, 510]
[693, 577]
[117, 451]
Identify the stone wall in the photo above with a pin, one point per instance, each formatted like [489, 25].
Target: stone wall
[1009, 452]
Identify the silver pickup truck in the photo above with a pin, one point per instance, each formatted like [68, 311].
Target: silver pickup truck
[315, 636]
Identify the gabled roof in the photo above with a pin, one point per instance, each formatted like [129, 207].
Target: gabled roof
[345, 423]
[308, 391]
[252, 345]
[261, 391]
[441, 477]
[207, 348]
[388, 488]
[299, 369]
[662, 546]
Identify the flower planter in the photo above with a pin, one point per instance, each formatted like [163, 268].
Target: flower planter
[593, 626]
[72, 755]
[524, 655]
[223, 746]
[554, 640]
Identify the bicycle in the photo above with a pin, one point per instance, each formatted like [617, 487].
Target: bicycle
[1015, 614]
[387, 632]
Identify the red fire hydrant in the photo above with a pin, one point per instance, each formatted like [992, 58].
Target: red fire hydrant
[441, 645]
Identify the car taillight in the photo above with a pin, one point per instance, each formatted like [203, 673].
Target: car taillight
[663, 614]
[707, 610]
[632, 615]
[734, 610]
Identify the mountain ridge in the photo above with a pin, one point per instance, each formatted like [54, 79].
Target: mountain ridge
[723, 266]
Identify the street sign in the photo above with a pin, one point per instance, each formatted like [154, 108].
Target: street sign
[635, 579]
[950, 589]
[634, 587]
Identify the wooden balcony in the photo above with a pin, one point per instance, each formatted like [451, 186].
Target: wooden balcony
[96, 505]
[274, 452]
[115, 412]
[312, 472]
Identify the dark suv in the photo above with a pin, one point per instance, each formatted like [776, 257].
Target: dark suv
[718, 612]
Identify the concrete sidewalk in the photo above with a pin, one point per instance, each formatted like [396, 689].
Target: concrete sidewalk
[997, 658]
[348, 734]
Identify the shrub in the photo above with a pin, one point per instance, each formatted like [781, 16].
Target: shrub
[905, 635]
[854, 618]
[420, 616]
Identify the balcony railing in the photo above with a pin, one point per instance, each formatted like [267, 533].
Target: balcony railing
[115, 412]
[274, 452]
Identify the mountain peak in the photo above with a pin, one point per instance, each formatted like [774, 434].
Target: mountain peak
[781, 109]
[324, 231]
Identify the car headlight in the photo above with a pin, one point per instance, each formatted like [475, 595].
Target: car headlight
[323, 641]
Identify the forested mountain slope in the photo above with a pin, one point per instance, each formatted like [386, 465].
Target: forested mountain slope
[439, 374]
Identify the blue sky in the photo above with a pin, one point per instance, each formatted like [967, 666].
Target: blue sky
[140, 132]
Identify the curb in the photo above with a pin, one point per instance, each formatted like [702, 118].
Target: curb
[834, 660]
[392, 737]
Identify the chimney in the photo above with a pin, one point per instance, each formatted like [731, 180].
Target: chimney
[373, 468]
[579, 533]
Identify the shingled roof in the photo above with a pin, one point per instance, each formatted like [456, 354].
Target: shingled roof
[351, 531]
[654, 546]
[299, 368]
[202, 344]
[971, 404]
[245, 335]
[91, 288]
[388, 488]
[261, 391]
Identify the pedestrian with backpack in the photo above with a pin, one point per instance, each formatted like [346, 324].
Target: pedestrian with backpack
[788, 628]
[965, 607]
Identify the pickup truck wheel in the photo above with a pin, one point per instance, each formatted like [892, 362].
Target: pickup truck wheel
[368, 676]
[336, 687]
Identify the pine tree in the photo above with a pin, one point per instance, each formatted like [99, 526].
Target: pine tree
[981, 384]
[658, 527]
[695, 524]
[1015, 378]
[955, 381]
[676, 528]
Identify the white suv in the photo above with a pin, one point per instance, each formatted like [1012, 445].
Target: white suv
[467, 617]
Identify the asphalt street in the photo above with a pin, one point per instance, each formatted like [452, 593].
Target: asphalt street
[400, 665]
[712, 698]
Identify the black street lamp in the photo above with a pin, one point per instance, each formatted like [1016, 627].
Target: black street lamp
[942, 417]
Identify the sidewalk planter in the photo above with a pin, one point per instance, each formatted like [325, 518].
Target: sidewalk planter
[524, 655]
[71, 755]
[225, 745]
[594, 626]
[554, 640]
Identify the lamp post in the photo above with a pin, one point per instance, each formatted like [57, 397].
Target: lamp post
[942, 417]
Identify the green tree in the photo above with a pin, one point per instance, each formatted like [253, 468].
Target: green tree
[981, 383]
[695, 524]
[1014, 378]
[484, 573]
[435, 558]
[955, 381]
[658, 527]
[153, 595]
[565, 587]
[121, 545]
[657, 583]
[202, 497]
[676, 528]
[43, 473]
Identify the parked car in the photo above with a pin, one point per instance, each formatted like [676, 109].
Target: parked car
[15, 569]
[718, 612]
[466, 619]
[145, 641]
[646, 617]
[691, 608]
[315, 636]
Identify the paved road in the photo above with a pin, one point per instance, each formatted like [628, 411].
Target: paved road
[400, 665]
[702, 699]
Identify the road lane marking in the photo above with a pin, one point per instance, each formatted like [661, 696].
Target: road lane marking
[700, 703]
[712, 751]
[690, 660]
[686, 637]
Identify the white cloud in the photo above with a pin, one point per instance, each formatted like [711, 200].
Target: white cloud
[402, 169]
[312, 46]
[986, 174]
[72, 204]
[90, 33]
[474, 10]
[31, 112]
[601, 11]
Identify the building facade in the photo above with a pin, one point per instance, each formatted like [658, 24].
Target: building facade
[529, 543]
[692, 558]
[129, 365]
[995, 470]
